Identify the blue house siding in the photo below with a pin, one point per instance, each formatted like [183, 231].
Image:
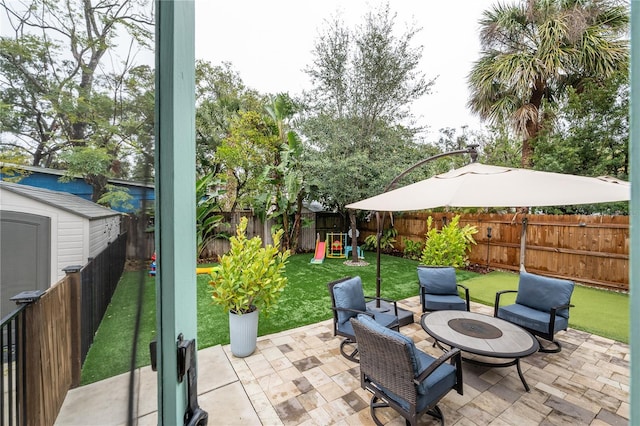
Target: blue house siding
[76, 187]
[50, 179]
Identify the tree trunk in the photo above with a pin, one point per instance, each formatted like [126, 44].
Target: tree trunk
[527, 153]
[297, 224]
[532, 125]
[99, 185]
[354, 238]
[286, 240]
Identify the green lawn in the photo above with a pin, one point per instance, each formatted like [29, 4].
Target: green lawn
[305, 300]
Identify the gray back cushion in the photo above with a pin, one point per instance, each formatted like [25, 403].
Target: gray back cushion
[349, 294]
[438, 279]
[544, 293]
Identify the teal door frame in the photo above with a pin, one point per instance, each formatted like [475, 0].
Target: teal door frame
[634, 269]
[175, 198]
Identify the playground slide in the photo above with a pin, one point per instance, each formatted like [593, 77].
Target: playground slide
[318, 257]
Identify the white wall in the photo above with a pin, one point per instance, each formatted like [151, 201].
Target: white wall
[69, 233]
[102, 232]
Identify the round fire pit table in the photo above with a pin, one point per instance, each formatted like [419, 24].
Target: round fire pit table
[482, 335]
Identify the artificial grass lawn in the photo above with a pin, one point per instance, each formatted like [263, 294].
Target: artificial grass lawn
[110, 353]
[305, 300]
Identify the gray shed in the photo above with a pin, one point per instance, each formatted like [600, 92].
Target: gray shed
[44, 231]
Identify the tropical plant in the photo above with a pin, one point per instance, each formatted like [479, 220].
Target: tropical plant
[250, 276]
[533, 51]
[449, 246]
[413, 249]
[287, 186]
[387, 241]
[207, 218]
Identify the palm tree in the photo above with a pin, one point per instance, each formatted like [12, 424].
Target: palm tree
[534, 50]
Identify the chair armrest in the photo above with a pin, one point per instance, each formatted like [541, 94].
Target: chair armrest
[552, 316]
[466, 295]
[497, 302]
[455, 356]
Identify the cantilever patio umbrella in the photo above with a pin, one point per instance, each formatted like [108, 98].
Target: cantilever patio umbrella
[481, 185]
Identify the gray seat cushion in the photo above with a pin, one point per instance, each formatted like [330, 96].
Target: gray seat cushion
[434, 302]
[382, 319]
[533, 319]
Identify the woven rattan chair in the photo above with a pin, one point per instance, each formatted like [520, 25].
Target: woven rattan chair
[541, 307]
[401, 376]
[439, 289]
[347, 301]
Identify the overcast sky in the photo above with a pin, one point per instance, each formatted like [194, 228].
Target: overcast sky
[270, 43]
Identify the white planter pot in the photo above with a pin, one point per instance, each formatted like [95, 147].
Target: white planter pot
[243, 332]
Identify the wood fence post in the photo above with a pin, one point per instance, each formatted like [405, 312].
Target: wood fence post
[75, 284]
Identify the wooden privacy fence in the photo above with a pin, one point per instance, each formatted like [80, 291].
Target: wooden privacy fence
[49, 354]
[592, 250]
[219, 246]
[137, 249]
[255, 227]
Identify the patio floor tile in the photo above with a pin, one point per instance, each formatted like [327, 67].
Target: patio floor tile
[298, 377]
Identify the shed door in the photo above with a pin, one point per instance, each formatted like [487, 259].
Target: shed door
[25, 255]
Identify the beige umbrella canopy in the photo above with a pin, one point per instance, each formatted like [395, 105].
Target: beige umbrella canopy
[481, 185]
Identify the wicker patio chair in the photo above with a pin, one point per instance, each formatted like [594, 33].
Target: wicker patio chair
[541, 307]
[401, 376]
[347, 301]
[439, 289]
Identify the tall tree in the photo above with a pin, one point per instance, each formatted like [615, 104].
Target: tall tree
[592, 138]
[244, 155]
[535, 49]
[220, 97]
[53, 78]
[358, 123]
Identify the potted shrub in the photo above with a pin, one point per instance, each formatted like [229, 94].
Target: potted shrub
[248, 279]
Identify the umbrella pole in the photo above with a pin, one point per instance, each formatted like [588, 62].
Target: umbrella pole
[523, 243]
[378, 279]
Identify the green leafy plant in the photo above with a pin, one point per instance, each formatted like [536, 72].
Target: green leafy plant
[449, 246]
[116, 197]
[386, 241]
[206, 206]
[413, 249]
[250, 276]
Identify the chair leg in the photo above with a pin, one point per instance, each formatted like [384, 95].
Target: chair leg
[553, 348]
[374, 404]
[436, 413]
[352, 355]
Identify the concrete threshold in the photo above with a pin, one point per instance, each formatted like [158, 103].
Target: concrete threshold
[105, 403]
